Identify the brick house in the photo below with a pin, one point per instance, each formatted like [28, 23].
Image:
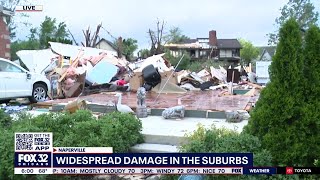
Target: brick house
[4, 33]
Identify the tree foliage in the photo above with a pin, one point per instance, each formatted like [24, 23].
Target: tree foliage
[303, 11]
[144, 53]
[158, 37]
[175, 36]
[129, 46]
[311, 64]
[49, 30]
[285, 119]
[310, 124]
[248, 51]
[174, 60]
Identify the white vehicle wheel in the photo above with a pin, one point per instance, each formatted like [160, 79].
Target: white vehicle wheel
[39, 93]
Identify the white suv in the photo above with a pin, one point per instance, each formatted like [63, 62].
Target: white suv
[16, 82]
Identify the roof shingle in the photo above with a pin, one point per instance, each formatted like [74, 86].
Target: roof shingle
[228, 43]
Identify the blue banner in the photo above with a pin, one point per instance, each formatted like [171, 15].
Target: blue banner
[153, 160]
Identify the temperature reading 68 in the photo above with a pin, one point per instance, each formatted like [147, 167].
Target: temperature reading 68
[43, 171]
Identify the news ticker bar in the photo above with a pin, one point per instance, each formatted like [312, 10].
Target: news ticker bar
[204, 171]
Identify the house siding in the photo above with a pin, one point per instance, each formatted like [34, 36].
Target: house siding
[4, 40]
[104, 45]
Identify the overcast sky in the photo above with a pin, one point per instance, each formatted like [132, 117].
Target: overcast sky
[248, 19]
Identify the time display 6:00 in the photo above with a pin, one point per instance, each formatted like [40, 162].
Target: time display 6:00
[26, 171]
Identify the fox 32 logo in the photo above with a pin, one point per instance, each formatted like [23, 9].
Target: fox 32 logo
[33, 159]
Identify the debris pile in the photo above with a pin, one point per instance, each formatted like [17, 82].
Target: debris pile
[74, 71]
[94, 72]
[156, 74]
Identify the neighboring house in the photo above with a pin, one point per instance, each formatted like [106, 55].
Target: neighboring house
[263, 63]
[267, 52]
[209, 48]
[4, 33]
[106, 45]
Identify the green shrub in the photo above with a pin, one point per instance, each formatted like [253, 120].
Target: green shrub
[175, 60]
[195, 66]
[117, 130]
[120, 131]
[5, 119]
[225, 141]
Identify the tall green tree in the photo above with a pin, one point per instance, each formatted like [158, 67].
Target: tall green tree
[49, 30]
[310, 124]
[312, 63]
[303, 11]
[175, 36]
[275, 119]
[129, 46]
[248, 51]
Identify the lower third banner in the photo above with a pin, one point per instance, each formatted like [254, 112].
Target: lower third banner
[132, 163]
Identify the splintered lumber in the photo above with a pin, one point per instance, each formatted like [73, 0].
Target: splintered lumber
[74, 64]
[51, 73]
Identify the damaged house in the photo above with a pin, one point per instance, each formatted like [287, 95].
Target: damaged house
[209, 48]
